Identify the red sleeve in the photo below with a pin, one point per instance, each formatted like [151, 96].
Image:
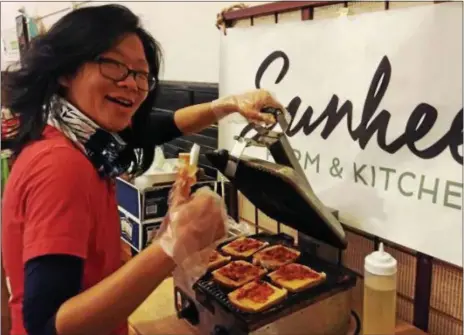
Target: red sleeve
[58, 219]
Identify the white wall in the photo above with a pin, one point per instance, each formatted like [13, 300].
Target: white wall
[9, 10]
[185, 30]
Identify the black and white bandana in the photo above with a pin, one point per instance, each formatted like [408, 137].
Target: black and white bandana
[103, 148]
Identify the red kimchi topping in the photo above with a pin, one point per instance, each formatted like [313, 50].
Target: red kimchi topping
[278, 253]
[239, 271]
[245, 244]
[296, 271]
[258, 291]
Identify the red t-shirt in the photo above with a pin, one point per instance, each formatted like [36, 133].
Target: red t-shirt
[56, 203]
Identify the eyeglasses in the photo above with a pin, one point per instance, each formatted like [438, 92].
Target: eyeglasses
[114, 70]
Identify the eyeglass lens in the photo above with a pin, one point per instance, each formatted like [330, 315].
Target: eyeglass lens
[118, 72]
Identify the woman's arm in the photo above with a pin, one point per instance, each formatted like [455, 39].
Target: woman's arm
[53, 304]
[49, 281]
[198, 223]
[160, 127]
[94, 311]
[99, 309]
[193, 119]
[60, 222]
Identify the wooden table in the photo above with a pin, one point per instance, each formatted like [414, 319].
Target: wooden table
[157, 316]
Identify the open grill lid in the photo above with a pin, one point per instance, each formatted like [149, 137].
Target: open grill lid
[280, 190]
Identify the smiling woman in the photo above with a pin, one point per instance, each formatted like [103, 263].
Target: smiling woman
[84, 95]
[120, 89]
[72, 61]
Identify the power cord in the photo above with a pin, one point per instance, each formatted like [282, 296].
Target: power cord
[357, 330]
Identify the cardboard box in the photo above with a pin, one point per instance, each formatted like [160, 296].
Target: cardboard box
[142, 211]
[137, 235]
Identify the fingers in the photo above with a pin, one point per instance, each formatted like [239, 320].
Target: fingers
[180, 192]
[196, 224]
[204, 205]
[206, 197]
[249, 105]
[209, 207]
[258, 117]
[269, 100]
[255, 102]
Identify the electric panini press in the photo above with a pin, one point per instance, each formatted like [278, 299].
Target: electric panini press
[282, 192]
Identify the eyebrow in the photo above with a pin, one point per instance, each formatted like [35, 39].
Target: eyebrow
[141, 61]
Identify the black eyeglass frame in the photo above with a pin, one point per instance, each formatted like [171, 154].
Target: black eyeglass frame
[151, 79]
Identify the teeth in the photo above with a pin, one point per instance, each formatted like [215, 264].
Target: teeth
[126, 102]
[122, 101]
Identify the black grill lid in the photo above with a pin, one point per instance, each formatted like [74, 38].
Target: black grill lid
[282, 194]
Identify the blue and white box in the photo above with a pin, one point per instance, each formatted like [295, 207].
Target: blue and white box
[142, 209]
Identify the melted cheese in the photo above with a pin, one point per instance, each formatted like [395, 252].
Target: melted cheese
[295, 284]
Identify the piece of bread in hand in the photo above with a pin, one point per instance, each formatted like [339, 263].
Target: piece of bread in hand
[257, 296]
[237, 273]
[216, 260]
[296, 277]
[243, 247]
[275, 256]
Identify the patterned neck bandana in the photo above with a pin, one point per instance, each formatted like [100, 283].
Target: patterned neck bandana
[102, 148]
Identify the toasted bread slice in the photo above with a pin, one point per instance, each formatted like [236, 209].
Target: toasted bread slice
[237, 273]
[243, 247]
[257, 296]
[217, 260]
[296, 277]
[275, 256]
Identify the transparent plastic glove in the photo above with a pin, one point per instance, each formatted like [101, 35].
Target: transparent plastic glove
[191, 229]
[248, 104]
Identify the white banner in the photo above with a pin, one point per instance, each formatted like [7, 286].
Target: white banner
[376, 101]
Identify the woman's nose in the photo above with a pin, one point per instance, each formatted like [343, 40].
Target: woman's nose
[129, 82]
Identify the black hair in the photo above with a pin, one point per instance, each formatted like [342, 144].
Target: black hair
[75, 39]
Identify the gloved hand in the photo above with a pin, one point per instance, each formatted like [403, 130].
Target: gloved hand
[248, 104]
[192, 225]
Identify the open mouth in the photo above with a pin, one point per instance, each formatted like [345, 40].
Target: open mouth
[121, 101]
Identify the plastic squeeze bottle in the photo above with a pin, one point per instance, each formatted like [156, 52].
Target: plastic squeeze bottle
[379, 309]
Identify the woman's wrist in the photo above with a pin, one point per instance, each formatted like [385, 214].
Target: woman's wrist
[157, 251]
[223, 107]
